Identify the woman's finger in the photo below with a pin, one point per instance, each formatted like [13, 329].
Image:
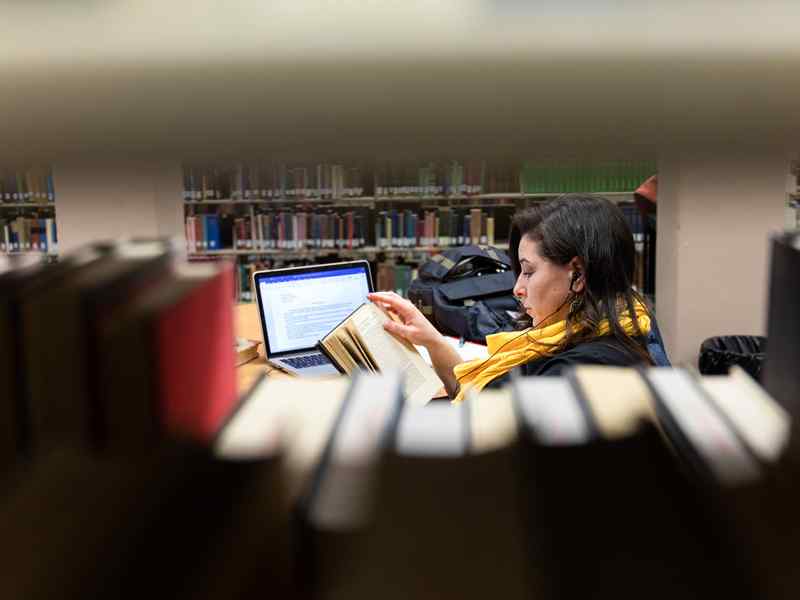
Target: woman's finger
[387, 296]
[396, 328]
[397, 303]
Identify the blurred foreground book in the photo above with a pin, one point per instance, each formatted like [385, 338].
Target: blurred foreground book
[115, 345]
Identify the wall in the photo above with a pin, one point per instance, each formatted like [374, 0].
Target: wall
[714, 219]
[109, 200]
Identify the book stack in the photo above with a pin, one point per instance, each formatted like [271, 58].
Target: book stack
[447, 178]
[395, 277]
[28, 233]
[444, 227]
[278, 230]
[34, 186]
[309, 180]
[596, 484]
[254, 181]
[113, 348]
[116, 375]
[558, 177]
[602, 483]
[329, 229]
[275, 180]
[503, 177]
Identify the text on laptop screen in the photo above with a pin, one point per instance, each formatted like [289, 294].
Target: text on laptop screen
[301, 308]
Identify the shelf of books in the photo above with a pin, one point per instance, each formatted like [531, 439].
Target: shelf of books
[395, 214]
[27, 212]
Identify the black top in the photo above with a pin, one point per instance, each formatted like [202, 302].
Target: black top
[606, 350]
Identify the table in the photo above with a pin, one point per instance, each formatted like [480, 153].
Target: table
[247, 325]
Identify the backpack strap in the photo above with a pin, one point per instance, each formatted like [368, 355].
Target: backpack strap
[444, 261]
[439, 266]
[493, 253]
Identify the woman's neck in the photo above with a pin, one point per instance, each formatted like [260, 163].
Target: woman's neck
[561, 315]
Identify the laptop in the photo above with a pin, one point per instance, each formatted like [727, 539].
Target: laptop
[298, 306]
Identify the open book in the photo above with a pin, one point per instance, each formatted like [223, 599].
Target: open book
[361, 342]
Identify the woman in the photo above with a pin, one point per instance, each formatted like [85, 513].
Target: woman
[574, 259]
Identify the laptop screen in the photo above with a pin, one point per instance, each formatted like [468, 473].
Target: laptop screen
[299, 306]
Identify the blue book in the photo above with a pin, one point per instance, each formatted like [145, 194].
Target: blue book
[51, 193]
[396, 233]
[212, 232]
[42, 231]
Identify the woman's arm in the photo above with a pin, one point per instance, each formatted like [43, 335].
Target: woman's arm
[418, 330]
[444, 358]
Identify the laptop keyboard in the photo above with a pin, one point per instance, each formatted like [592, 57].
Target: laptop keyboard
[303, 362]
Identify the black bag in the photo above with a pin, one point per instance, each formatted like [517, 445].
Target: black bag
[718, 354]
[466, 292]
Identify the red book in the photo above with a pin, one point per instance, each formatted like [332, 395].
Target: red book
[198, 233]
[168, 367]
[192, 339]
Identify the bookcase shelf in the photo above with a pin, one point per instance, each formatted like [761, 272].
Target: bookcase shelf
[27, 205]
[312, 252]
[36, 252]
[355, 201]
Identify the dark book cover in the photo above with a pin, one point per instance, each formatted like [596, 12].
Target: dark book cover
[781, 373]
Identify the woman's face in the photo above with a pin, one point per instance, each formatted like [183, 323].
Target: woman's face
[543, 286]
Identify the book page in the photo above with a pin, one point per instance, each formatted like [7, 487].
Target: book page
[347, 357]
[421, 382]
[367, 358]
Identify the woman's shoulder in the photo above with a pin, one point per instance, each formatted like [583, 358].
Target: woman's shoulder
[605, 350]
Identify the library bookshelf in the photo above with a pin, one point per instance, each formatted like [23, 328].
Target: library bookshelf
[269, 214]
[28, 213]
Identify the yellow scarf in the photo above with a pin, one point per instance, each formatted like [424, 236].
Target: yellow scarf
[511, 349]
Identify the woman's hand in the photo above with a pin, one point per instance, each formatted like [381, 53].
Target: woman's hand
[418, 330]
[414, 327]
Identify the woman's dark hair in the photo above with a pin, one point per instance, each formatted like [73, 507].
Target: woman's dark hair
[593, 229]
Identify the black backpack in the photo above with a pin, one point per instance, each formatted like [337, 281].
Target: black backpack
[467, 292]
